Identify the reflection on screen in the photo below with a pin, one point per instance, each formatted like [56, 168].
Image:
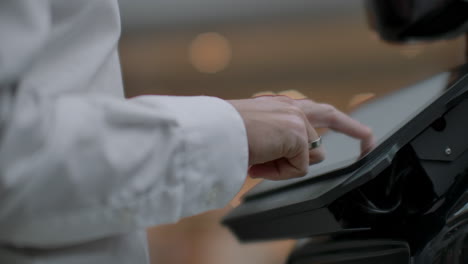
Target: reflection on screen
[384, 115]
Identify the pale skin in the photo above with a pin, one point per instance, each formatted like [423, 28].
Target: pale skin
[279, 130]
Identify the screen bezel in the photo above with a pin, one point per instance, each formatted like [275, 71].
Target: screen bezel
[457, 81]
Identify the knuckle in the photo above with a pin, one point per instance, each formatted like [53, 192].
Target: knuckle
[294, 110]
[297, 124]
[331, 112]
[328, 108]
[306, 101]
[302, 172]
[284, 99]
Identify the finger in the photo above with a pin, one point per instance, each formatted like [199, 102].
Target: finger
[297, 153]
[296, 164]
[316, 155]
[367, 145]
[265, 170]
[280, 169]
[341, 122]
[324, 115]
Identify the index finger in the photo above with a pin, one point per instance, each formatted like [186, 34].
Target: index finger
[351, 127]
[327, 116]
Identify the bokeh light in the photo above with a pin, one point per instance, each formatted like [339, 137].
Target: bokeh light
[210, 52]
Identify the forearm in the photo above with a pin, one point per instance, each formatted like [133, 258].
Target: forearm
[78, 168]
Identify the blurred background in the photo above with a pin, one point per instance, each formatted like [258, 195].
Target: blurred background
[322, 49]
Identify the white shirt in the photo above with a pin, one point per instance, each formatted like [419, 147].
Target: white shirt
[84, 171]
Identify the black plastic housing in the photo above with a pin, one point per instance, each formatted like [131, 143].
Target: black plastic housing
[413, 189]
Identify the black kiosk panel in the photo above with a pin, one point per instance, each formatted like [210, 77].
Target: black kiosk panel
[330, 198]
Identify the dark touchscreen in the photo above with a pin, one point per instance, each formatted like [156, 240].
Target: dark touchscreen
[384, 115]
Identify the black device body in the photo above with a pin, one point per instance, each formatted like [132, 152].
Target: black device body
[404, 202]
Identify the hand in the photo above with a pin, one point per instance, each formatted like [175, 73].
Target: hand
[327, 116]
[280, 128]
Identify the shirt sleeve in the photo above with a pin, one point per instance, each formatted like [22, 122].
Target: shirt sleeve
[76, 168]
